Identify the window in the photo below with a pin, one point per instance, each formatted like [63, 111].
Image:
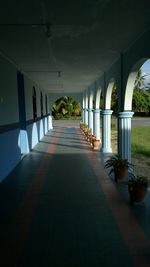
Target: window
[41, 101]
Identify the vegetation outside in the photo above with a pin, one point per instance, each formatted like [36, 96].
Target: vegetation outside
[66, 108]
[141, 94]
[140, 141]
[140, 148]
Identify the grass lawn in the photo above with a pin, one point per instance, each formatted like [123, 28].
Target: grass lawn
[140, 148]
[140, 141]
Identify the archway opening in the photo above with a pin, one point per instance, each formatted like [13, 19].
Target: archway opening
[46, 108]
[141, 92]
[101, 107]
[111, 103]
[114, 124]
[66, 108]
[101, 103]
[137, 99]
[34, 104]
[41, 104]
[114, 100]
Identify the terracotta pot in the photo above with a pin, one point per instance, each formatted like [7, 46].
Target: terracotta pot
[92, 139]
[96, 144]
[89, 137]
[120, 173]
[136, 193]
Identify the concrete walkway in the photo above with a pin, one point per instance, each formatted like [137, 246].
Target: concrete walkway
[58, 208]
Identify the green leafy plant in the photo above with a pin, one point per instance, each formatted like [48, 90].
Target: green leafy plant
[116, 162]
[66, 107]
[138, 180]
[137, 187]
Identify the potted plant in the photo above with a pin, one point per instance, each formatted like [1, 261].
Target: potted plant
[95, 143]
[90, 138]
[84, 128]
[82, 125]
[137, 187]
[88, 133]
[119, 166]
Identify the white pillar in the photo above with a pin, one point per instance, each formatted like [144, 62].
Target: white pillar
[96, 123]
[86, 115]
[83, 115]
[106, 131]
[50, 125]
[23, 142]
[90, 119]
[124, 134]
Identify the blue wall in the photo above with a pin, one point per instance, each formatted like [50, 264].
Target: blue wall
[18, 132]
[10, 153]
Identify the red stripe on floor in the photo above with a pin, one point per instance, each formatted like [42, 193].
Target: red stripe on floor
[17, 233]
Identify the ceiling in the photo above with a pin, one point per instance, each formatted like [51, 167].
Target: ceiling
[64, 46]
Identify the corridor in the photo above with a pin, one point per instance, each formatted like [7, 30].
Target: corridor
[58, 208]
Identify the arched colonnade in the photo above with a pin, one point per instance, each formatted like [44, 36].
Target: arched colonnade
[123, 73]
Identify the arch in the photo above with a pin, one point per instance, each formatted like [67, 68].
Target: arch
[66, 107]
[91, 97]
[34, 104]
[110, 100]
[102, 100]
[86, 100]
[107, 104]
[98, 98]
[130, 84]
[52, 98]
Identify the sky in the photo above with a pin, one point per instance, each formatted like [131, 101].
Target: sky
[146, 70]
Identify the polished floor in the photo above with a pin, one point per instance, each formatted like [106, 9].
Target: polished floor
[58, 208]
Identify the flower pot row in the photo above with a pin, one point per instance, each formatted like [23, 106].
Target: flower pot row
[90, 137]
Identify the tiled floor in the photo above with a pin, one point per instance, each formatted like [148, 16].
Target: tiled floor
[58, 208]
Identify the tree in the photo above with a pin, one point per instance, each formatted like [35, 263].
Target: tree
[140, 79]
[141, 100]
[141, 96]
[114, 99]
[66, 107]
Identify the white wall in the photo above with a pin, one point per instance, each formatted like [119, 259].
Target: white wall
[28, 85]
[8, 93]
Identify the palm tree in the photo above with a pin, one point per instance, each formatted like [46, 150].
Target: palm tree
[139, 82]
[66, 106]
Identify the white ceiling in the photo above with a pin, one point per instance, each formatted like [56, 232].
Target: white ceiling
[84, 39]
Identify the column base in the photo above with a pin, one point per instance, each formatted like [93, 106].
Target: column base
[106, 150]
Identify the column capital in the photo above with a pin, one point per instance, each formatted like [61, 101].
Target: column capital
[96, 110]
[125, 114]
[107, 112]
[89, 109]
